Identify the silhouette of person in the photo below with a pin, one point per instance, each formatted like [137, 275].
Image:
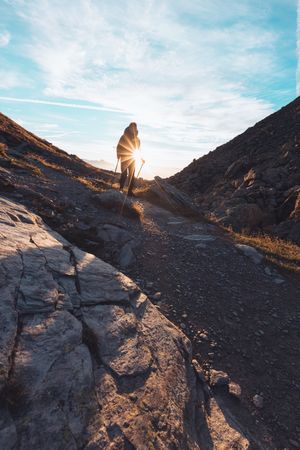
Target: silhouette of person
[128, 144]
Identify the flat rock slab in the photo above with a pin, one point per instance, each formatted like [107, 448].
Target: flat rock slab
[199, 237]
[176, 222]
[250, 252]
[227, 436]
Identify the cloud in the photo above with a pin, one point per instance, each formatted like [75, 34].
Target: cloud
[181, 69]
[52, 103]
[9, 79]
[4, 38]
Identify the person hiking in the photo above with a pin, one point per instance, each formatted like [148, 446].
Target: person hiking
[127, 147]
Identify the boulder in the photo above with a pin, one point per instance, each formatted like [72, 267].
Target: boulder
[125, 243]
[237, 168]
[245, 216]
[218, 378]
[171, 198]
[86, 360]
[290, 207]
[116, 201]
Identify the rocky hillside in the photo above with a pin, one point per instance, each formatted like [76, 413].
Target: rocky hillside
[24, 152]
[87, 358]
[253, 181]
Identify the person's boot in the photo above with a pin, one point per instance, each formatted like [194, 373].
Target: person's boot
[130, 194]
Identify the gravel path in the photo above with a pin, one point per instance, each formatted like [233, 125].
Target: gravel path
[241, 315]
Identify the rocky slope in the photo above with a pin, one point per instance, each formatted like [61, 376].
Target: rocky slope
[23, 151]
[240, 313]
[253, 181]
[86, 360]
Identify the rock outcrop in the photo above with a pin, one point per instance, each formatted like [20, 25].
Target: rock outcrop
[253, 181]
[169, 197]
[86, 360]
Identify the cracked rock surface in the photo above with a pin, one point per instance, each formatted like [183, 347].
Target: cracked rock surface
[86, 361]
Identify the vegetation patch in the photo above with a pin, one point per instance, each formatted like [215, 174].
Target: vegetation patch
[3, 150]
[92, 184]
[24, 165]
[284, 254]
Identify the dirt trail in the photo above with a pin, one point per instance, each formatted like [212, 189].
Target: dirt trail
[241, 316]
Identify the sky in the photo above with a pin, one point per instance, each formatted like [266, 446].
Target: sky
[192, 73]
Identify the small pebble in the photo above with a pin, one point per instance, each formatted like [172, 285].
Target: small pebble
[258, 401]
[294, 443]
[156, 296]
[218, 378]
[235, 390]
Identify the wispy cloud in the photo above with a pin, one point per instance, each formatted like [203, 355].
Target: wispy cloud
[9, 78]
[51, 103]
[4, 38]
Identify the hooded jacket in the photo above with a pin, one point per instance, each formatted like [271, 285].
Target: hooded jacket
[128, 142]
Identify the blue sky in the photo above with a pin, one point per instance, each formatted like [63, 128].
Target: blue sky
[191, 73]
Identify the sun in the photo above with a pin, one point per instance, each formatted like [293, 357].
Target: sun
[137, 155]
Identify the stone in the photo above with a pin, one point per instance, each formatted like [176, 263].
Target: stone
[172, 198]
[176, 222]
[258, 401]
[199, 237]
[243, 216]
[251, 253]
[112, 233]
[268, 271]
[218, 378]
[201, 246]
[294, 443]
[199, 371]
[204, 337]
[225, 435]
[118, 202]
[126, 256]
[235, 390]
[156, 297]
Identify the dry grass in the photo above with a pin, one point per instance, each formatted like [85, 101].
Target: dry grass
[53, 166]
[283, 254]
[22, 164]
[92, 184]
[137, 209]
[3, 150]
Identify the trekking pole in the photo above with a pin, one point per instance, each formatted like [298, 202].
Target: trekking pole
[114, 173]
[143, 162]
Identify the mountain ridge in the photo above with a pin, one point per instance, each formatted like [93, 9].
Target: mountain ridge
[252, 182]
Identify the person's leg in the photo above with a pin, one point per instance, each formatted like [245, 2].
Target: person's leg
[123, 174]
[131, 169]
